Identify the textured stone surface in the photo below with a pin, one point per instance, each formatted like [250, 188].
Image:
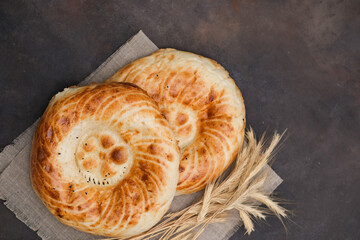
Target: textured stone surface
[296, 62]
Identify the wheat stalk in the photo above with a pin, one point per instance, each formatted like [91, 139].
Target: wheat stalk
[242, 189]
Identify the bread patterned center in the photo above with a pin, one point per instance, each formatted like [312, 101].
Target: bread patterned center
[182, 122]
[103, 158]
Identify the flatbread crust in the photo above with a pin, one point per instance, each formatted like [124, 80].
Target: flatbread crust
[104, 160]
[203, 105]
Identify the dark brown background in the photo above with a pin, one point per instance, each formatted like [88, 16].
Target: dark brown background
[296, 62]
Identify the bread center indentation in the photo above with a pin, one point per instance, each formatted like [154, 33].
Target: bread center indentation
[103, 158]
[183, 121]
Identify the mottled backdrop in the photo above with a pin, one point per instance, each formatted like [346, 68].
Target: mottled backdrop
[296, 62]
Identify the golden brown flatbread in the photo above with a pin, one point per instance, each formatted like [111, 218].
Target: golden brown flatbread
[104, 160]
[203, 105]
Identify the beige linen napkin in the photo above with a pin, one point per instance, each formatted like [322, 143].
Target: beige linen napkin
[16, 189]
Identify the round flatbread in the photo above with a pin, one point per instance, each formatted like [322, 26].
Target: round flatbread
[104, 160]
[203, 105]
